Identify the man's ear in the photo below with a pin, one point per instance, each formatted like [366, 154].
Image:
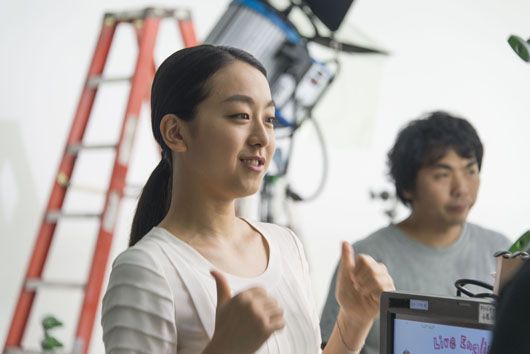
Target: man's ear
[408, 195]
[173, 132]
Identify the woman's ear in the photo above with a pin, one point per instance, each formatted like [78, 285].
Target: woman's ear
[173, 132]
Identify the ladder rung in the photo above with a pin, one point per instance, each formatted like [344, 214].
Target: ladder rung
[21, 351]
[130, 16]
[29, 351]
[53, 216]
[75, 148]
[97, 80]
[33, 284]
[130, 191]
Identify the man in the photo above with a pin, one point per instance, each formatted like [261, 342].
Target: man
[435, 164]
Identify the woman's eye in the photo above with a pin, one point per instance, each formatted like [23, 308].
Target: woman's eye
[240, 116]
[271, 120]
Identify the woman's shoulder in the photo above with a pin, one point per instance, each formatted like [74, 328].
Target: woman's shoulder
[137, 308]
[137, 279]
[146, 252]
[141, 265]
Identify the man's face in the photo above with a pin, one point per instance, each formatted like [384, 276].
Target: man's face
[446, 190]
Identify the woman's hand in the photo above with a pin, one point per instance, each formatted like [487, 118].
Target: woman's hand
[243, 322]
[360, 282]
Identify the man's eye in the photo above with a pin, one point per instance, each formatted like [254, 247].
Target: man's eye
[441, 175]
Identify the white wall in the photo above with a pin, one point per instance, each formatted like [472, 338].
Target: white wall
[448, 55]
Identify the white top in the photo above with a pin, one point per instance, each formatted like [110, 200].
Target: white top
[161, 297]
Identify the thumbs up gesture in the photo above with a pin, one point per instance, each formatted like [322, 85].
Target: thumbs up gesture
[243, 322]
[360, 282]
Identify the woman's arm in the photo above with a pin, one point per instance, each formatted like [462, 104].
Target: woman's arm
[137, 310]
[349, 337]
[360, 283]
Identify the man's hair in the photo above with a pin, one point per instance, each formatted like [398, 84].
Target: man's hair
[424, 141]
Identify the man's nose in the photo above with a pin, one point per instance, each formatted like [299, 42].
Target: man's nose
[460, 185]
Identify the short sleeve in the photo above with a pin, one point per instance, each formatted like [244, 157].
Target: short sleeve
[138, 310]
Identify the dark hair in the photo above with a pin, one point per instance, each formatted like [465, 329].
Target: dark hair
[426, 140]
[179, 86]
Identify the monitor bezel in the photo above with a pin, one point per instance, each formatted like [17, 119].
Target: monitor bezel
[445, 310]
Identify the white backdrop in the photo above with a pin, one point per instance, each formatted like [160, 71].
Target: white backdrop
[448, 55]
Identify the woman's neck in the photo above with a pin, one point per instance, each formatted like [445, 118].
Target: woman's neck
[212, 229]
[194, 215]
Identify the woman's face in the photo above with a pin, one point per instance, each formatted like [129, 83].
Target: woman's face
[231, 138]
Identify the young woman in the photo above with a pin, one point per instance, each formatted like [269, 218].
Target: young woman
[197, 278]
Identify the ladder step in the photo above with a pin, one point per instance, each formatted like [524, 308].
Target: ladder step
[129, 191]
[132, 191]
[76, 148]
[21, 351]
[53, 216]
[95, 81]
[28, 351]
[36, 283]
[135, 15]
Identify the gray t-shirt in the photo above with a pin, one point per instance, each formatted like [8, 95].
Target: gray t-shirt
[419, 268]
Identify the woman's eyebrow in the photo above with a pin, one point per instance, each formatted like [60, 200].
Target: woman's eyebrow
[245, 99]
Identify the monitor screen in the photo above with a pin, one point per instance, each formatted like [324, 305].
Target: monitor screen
[414, 323]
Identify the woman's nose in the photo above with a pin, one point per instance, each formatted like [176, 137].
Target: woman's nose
[259, 134]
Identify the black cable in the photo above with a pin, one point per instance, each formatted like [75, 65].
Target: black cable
[460, 288]
[297, 124]
[325, 166]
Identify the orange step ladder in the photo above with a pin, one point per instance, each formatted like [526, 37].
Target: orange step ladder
[146, 24]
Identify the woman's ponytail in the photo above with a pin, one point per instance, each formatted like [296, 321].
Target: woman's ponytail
[154, 201]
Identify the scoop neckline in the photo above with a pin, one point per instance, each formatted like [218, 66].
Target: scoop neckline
[270, 271]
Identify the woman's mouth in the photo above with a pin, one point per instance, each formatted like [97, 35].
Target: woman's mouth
[253, 163]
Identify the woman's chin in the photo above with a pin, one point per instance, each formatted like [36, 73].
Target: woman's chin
[247, 191]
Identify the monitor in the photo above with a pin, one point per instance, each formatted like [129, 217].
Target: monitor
[424, 324]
